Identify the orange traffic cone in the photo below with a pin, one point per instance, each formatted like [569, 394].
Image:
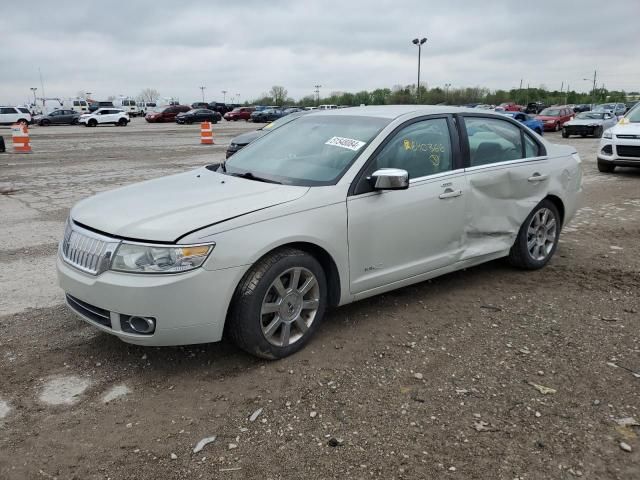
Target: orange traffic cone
[206, 133]
[20, 136]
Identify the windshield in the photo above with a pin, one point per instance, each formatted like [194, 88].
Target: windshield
[550, 112]
[590, 116]
[160, 109]
[634, 115]
[605, 106]
[310, 150]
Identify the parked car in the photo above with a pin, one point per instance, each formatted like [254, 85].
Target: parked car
[200, 106]
[59, 117]
[630, 105]
[267, 115]
[199, 115]
[96, 105]
[11, 115]
[583, 107]
[239, 113]
[554, 118]
[618, 109]
[589, 123]
[105, 116]
[535, 107]
[221, 108]
[244, 139]
[529, 120]
[620, 145]
[165, 113]
[511, 107]
[330, 208]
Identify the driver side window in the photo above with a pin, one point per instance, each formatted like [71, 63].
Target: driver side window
[422, 148]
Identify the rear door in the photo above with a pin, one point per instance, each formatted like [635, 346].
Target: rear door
[507, 171]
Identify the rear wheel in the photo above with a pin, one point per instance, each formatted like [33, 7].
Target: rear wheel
[605, 167]
[557, 127]
[45, 123]
[278, 305]
[538, 237]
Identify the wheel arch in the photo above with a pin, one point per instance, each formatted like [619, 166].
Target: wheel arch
[559, 204]
[326, 261]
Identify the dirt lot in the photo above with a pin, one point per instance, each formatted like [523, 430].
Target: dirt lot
[431, 381]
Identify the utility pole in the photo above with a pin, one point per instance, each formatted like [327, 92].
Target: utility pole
[33, 89]
[520, 92]
[566, 97]
[202, 90]
[593, 93]
[42, 87]
[317, 92]
[446, 91]
[224, 96]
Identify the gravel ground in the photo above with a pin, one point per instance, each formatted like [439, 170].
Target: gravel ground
[444, 379]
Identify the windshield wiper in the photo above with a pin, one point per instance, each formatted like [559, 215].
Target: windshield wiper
[251, 176]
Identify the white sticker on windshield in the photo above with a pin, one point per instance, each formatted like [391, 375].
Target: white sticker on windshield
[349, 143]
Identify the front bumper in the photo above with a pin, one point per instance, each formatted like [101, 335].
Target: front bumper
[581, 129]
[624, 152]
[189, 308]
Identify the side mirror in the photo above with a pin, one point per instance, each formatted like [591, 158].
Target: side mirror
[390, 179]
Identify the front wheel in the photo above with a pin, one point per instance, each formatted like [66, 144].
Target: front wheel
[92, 123]
[557, 127]
[278, 305]
[565, 134]
[45, 123]
[605, 167]
[538, 237]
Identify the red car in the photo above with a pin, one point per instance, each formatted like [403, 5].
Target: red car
[240, 113]
[165, 114]
[511, 107]
[554, 118]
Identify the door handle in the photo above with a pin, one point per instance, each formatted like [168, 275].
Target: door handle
[449, 193]
[536, 177]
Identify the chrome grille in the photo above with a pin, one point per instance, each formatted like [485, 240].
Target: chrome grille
[86, 250]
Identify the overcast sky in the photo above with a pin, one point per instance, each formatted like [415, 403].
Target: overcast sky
[118, 48]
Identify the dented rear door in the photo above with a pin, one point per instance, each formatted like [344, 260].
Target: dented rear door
[508, 174]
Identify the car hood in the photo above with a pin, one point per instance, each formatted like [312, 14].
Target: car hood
[585, 121]
[248, 137]
[626, 129]
[167, 208]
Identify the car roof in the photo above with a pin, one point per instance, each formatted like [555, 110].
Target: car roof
[395, 111]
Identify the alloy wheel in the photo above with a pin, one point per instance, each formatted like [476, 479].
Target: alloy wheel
[541, 234]
[289, 307]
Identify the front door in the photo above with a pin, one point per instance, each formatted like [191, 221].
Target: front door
[395, 235]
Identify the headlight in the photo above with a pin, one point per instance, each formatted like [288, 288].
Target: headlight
[607, 134]
[140, 258]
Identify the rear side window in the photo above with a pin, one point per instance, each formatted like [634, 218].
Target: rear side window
[531, 147]
[492, 140]
[23, 110]
[6, 110]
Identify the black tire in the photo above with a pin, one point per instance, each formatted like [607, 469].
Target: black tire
[520, 256]
[557, 127]
[598, 132]
[75, 121]
[45, 123]
[22, 121]
[92, 123]
[605, 167]
[565, 134]
[122, 122]
[244, 322]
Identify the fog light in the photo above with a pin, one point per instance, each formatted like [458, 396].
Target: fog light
[607, 150]
[137, 324]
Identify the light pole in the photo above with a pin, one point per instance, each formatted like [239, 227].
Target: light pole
[593, 92]
[446, 92]
[202, 90]
[224, 96]
[33, 89]
[419, 43]
[317, 92]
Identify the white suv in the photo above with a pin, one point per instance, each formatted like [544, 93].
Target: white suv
[11, 115]
[104, 116]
